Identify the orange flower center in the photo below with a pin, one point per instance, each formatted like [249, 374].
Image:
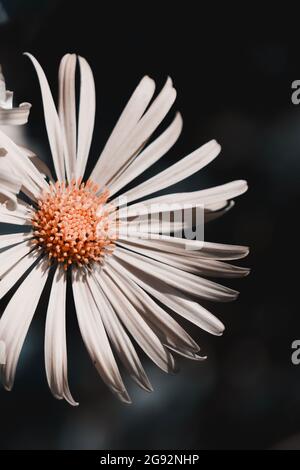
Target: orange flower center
[73, 224]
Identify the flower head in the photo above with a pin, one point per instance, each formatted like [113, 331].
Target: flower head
[124, 271]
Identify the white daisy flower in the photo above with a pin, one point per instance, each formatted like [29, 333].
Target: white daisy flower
[121, 279]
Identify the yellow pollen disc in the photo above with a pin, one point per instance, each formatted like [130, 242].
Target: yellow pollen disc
[72, 223]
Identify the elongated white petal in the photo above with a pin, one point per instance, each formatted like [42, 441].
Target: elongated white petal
[174, 298]
[10, 257]
[118, 337]
[67, 110]
[218, 251]
[53, 126]
[187, 166]
[205, 197]
[95, 338]
[128, 120]
[149, 155]
[171, 220]
[187, 282]
[86, 118]
[142, 132]
[10, 277]
[191, 264]
[123, 303]
[17, 317]
[55, 339]
[161, 322]
[14, 238]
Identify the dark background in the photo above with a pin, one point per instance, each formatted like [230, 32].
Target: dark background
[233, 85]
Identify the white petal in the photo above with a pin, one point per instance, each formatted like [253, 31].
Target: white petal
[160, 321]
[86, 118]
[128, 120]
[10, 257]
[149, 155]
[204, 197]
[67, 110]
[141, 133]
[9, 279]
[187, 166]
[53, 126]
[174, 298]
[187, 282]
[122, 301]
[218, 251]
[118, 337]
[17, 317]
[56, 361]
[14, 238]
[191, 264]
[95, 338]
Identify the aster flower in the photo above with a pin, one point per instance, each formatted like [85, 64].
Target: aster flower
[124, 274]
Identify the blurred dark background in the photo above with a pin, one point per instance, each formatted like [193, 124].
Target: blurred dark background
[233, 86]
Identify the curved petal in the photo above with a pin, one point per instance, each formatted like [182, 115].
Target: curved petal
[149, 155]
[162, 323]
[191, 264]
[67, 110]
[135, 141]
[86, 118]
[118, 337]
[16, 319]
[53, 126]
[204, 197]
[174, 298]
[218, 251]
[187, 166]
[95, 338]
[123, 303]
[56, 361]
[128, 120]
[187, 282]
